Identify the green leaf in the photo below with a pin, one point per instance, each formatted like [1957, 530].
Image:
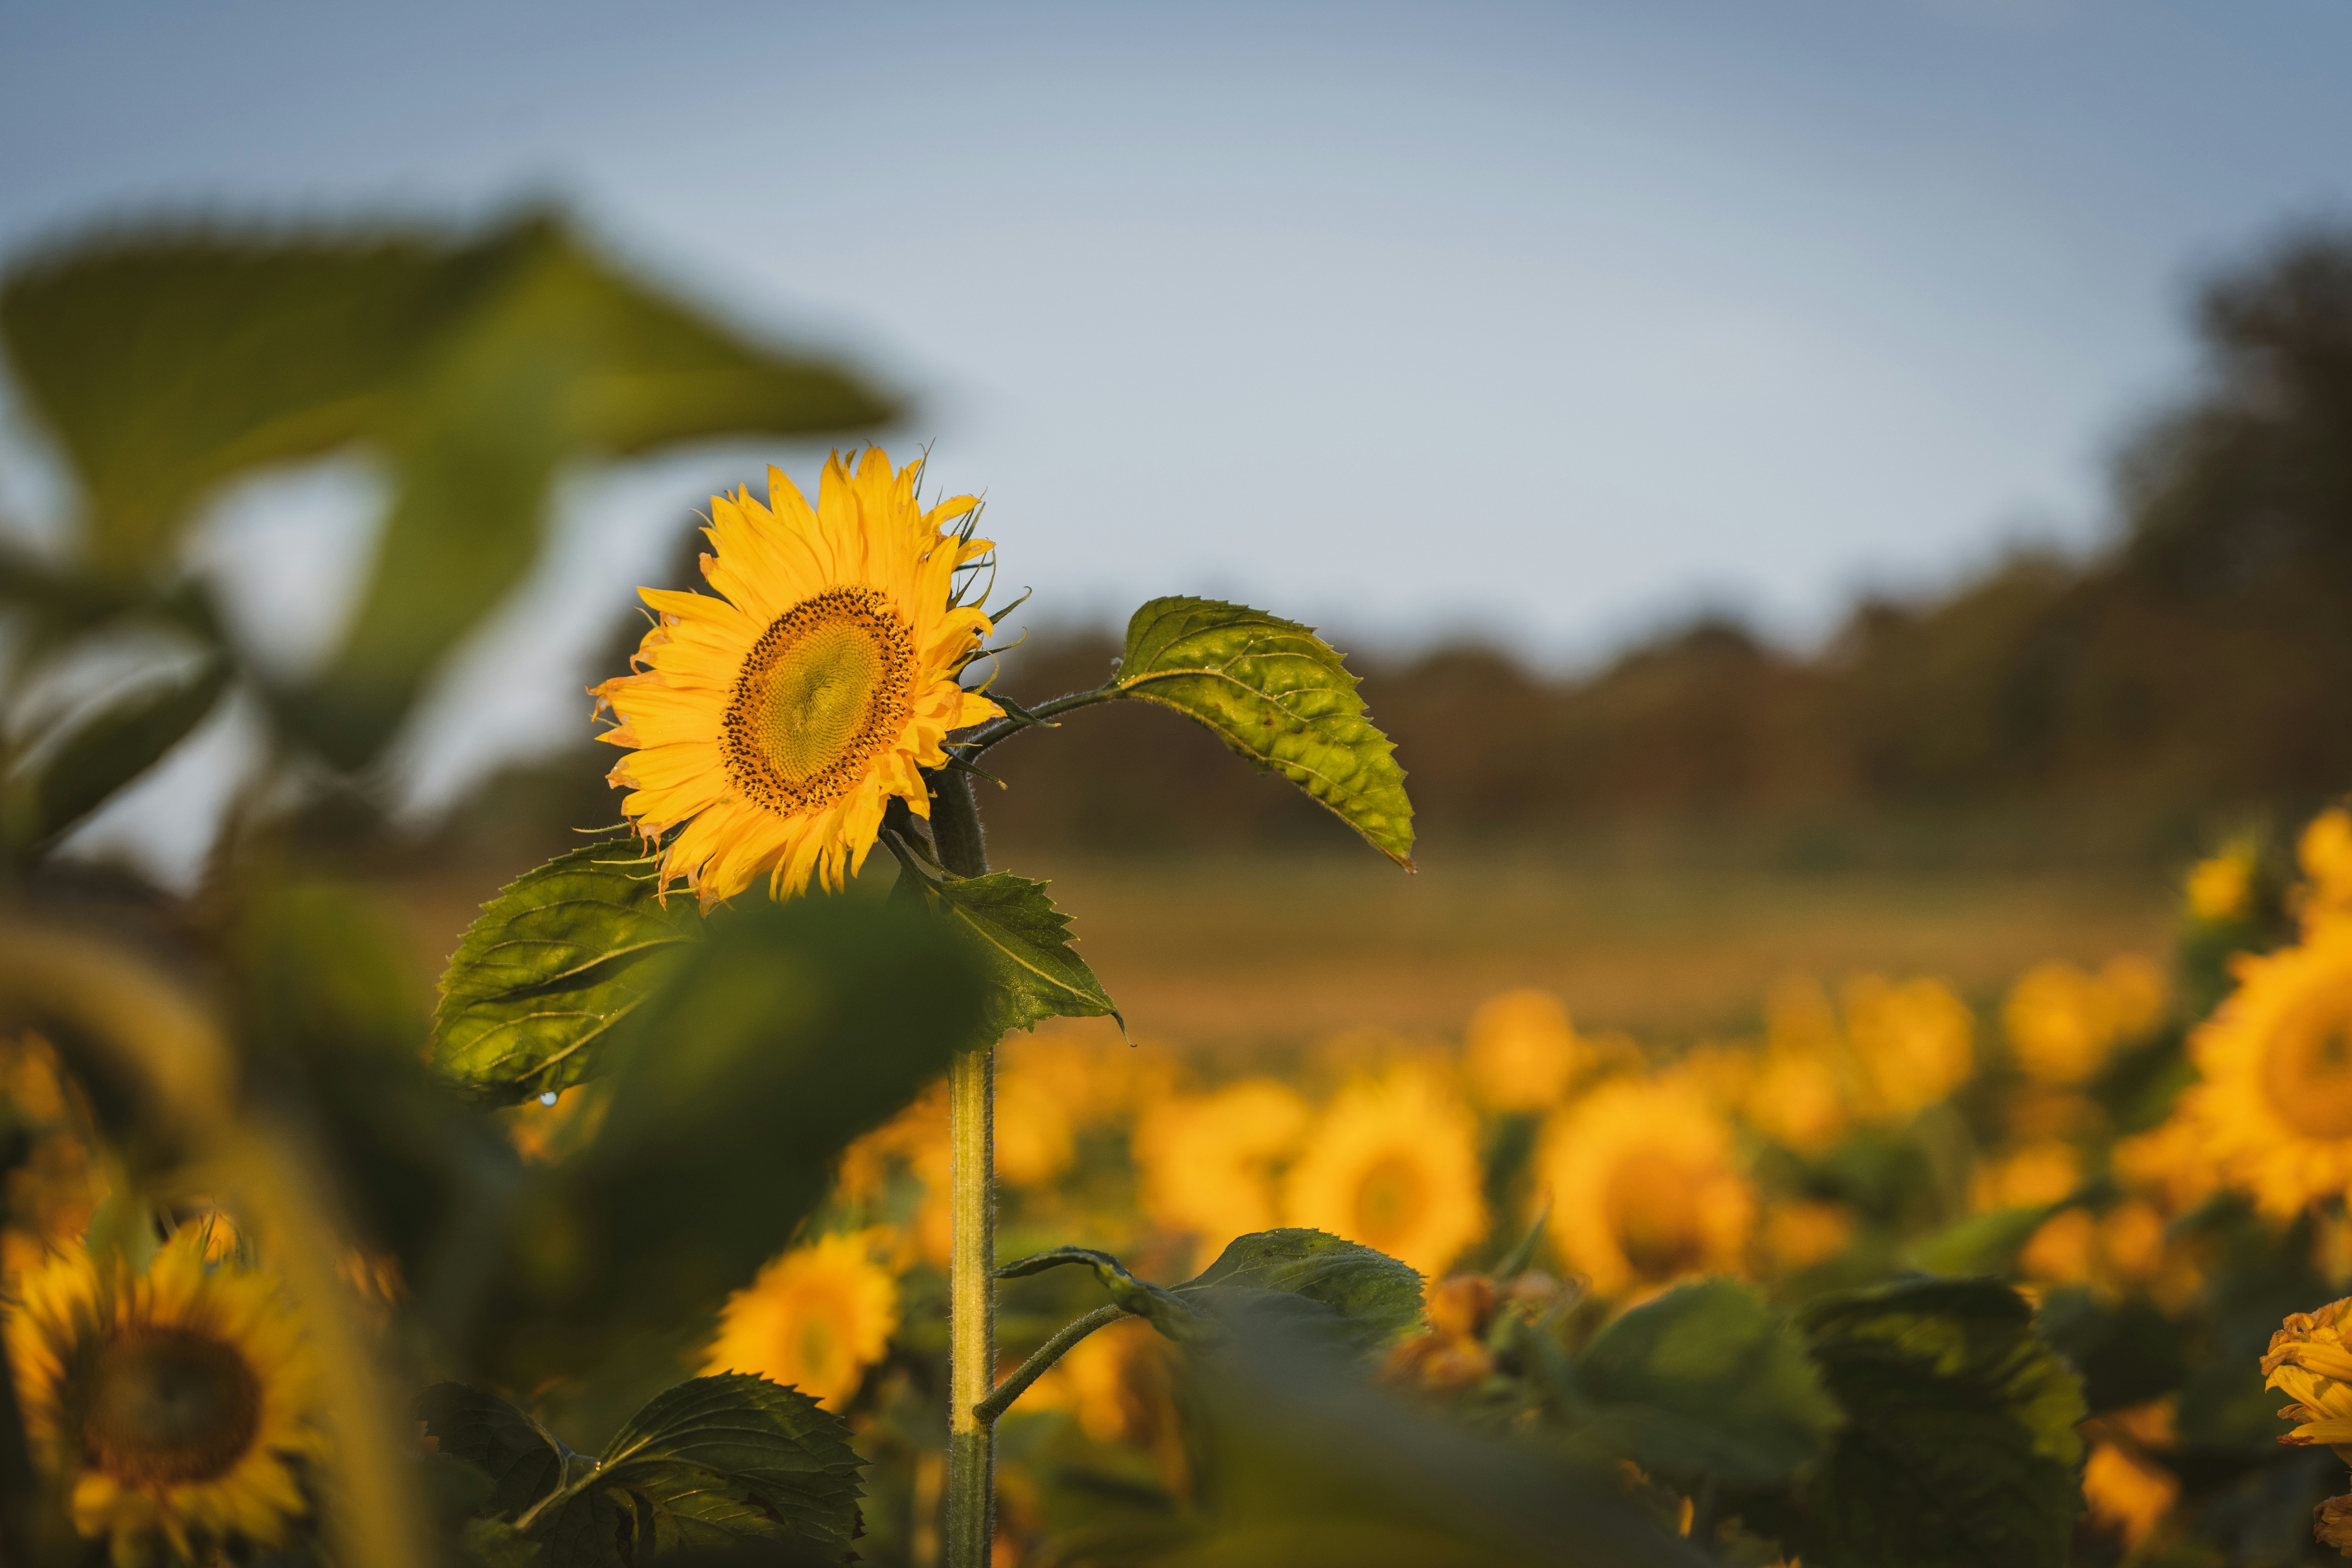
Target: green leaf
[1025, 944]
[1378, 1297]
[168, 363]
[111, 749]
[1985, 1244]
[1319, 1280]
[712, 1464]
[1706, 1382]
[788, 1031]
[524, 1460]
[1280, 696]
[561, 955]
[1960, 1450]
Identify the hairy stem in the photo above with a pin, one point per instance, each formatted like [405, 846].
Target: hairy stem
[988, 734]
[1052, 1351]
[972, 1249]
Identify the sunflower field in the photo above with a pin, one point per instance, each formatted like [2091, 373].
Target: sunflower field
[768, 1178]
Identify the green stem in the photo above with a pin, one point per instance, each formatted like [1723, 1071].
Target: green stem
[988, 734]
[1052, 1351]
[972, 1247]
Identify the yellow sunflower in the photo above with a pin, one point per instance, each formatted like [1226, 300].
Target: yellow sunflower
[1394, 1163]
[1522, 1051]
[174, 1407]
[814, 1318]
[1644, 1187]
[1207, 1164]
[2325, 852]
[2275, 1102]
[2221, 888]
[1915, 1042]
[770, 724]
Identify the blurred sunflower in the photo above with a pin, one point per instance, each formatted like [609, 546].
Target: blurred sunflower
[1035, 1140]
[1914, 1042]
[1522, 1052]
[2221, 888]
[2325, 853]
[775, 720]
[175, 1407]
[2063, 1022]
[1797, 1098]
[1643, 1187]
[813, 1319]
[1394, 1163]
[1207, 1164]
[2275, 1102]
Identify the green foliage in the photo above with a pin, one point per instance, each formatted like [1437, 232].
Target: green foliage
[559, 958]
[1024, 947]
[1278, 695]
[1376, 1297]
[165, 365]
[1959, 1448]
[1706, 1382]
[1340, 1291]
[713, 1464]
[789, 1031]
[1981, 1244]
[523, 1460]
[108, 750]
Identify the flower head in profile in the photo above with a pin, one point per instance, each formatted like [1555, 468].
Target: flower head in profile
[2310, 1363]
[175, 1407]
[1645, 1187]
[1394, 1163]
[2274, 1105]
[769, 725]
[813, 1319]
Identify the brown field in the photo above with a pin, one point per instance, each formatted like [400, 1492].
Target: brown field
[1243, 951]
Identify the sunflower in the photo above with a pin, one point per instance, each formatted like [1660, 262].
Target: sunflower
[1914, 1042]
[1644, 1189]
[2275, 1105]
[814, 1318]
[2221, 888]
[1522, 1051]
[2325, 853]
[174, 1407]
[1394, 1164]
[2064, 1023]
[771, 723]
[1207, 1164]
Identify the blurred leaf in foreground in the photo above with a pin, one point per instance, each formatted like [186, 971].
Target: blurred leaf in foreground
[167, 363]
[560, 956]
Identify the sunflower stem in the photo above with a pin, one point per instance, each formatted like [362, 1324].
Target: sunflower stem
[1052, 1351]
[988, 734]
[972, 1249]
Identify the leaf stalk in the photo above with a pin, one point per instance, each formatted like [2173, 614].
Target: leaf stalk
[1052, 1351]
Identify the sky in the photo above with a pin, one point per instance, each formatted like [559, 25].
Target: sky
[1543, 324]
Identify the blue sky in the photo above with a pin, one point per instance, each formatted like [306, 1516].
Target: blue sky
[1539, 322]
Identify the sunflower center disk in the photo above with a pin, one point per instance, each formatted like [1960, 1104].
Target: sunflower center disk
[824, 690]
[2307, 1074]
[170, 1406]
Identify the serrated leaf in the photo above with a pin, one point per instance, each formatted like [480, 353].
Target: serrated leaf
[1706, 1382]
[1280, 696]
[1024, 943]
[561, 955]
[111, 748]
[1378, 1297]
[714, 1463]
[1364, 1297]
[1960, 1448]
[524, 1460]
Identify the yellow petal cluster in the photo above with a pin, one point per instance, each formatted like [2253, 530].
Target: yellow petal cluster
[768, 726]
[2064, 1023]
[1644, 1186]
[2274, 1105]
[813, 1319]
[175, 1406]
[1394, 1163]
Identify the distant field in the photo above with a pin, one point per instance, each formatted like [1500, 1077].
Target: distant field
[1229, 951]
[1232, 952]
